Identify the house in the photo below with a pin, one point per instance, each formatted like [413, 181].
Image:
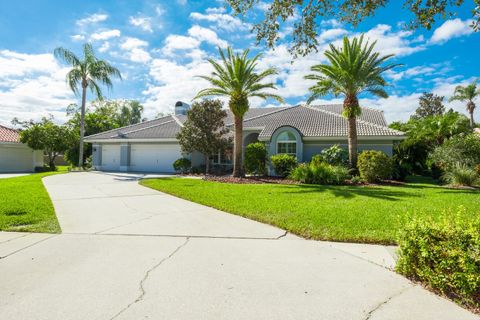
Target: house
[301, 130]
[16, 156]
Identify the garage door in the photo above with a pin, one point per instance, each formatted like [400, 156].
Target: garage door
[15, 158]
[154, 157]
[110, 157]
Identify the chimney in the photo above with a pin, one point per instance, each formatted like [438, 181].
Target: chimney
[181, 108]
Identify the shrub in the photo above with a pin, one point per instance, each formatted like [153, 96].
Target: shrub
[319, 173]
[444, 254]
[256, 158]
[283, 164]
[461, 175]
[374, 165]
[462, 149]
[182, 165]
[334, 155]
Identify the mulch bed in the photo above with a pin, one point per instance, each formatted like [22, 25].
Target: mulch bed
[250, 180]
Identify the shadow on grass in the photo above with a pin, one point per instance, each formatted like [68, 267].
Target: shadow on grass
[349, 192]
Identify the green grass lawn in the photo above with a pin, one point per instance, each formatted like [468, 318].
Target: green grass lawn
[371, 214]
[26, 206]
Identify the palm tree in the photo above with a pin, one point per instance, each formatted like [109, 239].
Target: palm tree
[468, 93]
[86, 72]
[353, 69]
[235, 77]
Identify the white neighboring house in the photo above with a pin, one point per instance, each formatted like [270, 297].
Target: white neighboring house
[302, 131]
[16, 156]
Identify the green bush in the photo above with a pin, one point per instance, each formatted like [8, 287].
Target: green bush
[444, 254]
[319, 173]
[374, 165]
[283, 164]
[334, 155]
[182, 165]
[460, 149]
[461, 175]
[256, 158]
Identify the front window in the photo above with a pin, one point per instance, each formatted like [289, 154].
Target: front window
[287, 143]
[224, 158]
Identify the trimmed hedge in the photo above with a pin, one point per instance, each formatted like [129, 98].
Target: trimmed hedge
[283, 164]
[374, 165]
[182, 165]
[256, 157]
[444, 254]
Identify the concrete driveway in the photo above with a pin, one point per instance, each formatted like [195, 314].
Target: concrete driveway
[128, 252]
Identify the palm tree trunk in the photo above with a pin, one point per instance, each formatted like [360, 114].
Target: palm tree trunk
[352, 141]
[470, 109]
[82, 124]
[350, 106]
[238, 145]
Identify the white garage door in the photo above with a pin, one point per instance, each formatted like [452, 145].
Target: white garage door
[154, 157]
[111, 157]
[16, 158]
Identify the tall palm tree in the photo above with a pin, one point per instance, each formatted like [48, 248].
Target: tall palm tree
[235, 77]
[467, 93]
[86, 73]
[353, 69]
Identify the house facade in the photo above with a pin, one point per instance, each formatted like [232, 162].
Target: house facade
[302, 131]
[16, 156]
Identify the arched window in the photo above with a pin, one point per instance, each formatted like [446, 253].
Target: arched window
[287, 143]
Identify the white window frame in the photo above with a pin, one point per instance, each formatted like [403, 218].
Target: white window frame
[294, 142]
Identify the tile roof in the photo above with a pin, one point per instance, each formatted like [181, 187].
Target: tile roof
[316, 121]
[310, 121]
[9, 135]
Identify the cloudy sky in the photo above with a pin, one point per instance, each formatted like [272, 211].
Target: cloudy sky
[160, 46]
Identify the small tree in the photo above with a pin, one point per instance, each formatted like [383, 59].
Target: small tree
[47, 136]
[204, 130]
[430, 105]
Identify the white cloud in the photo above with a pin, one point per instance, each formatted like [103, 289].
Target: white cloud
[173, 82]
[94, 18]
[144, 23]
[105, 35]
[78, 37]
[131, 43]
[330, 23]
[134, 48]
[32, 86]
[177, 42]
[105, 46]
[182, 2]
[451, 29]
[393, 42]
[221, 20]
[207, 35]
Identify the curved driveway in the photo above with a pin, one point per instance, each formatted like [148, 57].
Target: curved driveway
[128, 252]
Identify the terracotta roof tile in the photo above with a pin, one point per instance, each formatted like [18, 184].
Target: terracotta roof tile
[9, 135]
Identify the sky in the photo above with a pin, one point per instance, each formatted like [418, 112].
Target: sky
[161, 47]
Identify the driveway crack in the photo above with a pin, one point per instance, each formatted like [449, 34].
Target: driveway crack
[381, 304]
[146, 276]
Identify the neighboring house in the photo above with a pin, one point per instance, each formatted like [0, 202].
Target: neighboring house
[16, 156]
[302, 131]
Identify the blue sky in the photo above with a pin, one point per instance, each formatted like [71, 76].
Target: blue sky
[160, 46]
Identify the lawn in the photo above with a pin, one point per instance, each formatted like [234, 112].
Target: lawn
[26, 206]
[370, 214]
